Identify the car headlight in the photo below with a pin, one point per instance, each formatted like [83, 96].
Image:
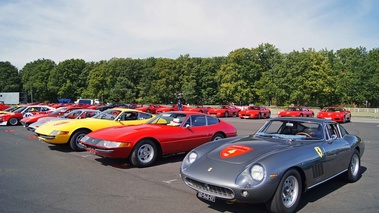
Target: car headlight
[109, 144]
[189, 159]
[85, 138]
[257, 172]
[251, 176]
[59, 132]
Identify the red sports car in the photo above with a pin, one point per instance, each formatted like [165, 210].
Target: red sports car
[168, 133]
[224, 111]
[255, 112]
[198, 108]
[296, 111]
[170, 108]
[3, 107]
[149, 108]
[337, 114]
[26, 121]
[13, 118]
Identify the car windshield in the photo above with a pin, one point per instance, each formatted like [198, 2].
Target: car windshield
[293, 109]
[254, 108]
[291, 130]
[109, 114]
[169, 118]
[20, 109]
[332, 109]
[59, 110]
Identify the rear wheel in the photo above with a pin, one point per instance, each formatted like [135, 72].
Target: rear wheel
[288, 193]
[226, 114]
[13, 121]
[144, 153]
[217, 136]
[75, 139]
[354, 170]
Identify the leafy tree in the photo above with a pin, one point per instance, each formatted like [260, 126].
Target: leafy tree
[64, 78]
[10, 80]
[34, 78]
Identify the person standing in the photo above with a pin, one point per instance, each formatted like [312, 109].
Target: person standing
[180, 106]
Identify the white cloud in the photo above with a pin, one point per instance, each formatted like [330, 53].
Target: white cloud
[96, 30]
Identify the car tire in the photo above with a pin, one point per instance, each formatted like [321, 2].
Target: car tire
[226, 114]
[148, 111]
[13, 121]
[75, 139]
[144, 153]
[259, 116]
[269, 115]
[287, 195]
[217, 136]
[354, 170]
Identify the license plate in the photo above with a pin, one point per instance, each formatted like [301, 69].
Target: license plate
[206, 196]
[245, 116]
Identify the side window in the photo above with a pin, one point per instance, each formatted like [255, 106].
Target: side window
[333, 130]
[212, 120]
[143, 116]
[198, 120]
[343, 131]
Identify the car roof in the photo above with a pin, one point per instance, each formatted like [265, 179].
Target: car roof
[303, 119]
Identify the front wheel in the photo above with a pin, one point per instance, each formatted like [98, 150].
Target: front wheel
[144, 153]
[13, 121]
[75, 139]
[354, 170]
[226, 114]
[288, 193]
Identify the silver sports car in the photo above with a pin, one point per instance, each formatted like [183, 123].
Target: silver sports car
[283, 159]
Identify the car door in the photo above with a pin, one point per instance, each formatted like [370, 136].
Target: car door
[196, 132]
[336, 150]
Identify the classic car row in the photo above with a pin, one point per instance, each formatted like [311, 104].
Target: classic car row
[14, 115]
[275, 165]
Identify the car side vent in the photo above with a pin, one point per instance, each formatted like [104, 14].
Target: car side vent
[318, 170]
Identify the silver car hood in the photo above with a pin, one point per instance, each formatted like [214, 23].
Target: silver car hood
[247, 150]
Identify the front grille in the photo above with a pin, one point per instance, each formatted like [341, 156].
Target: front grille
[48, 137]
[210, 189]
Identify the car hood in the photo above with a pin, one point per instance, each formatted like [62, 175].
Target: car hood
[246, 150]
[116, 133]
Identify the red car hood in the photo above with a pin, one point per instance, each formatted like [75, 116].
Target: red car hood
[242, 152]
[118, 132]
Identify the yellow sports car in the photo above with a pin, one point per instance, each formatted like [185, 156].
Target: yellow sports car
[72, 130]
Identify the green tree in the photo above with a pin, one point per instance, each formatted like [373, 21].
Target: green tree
[10, 80]
[34, 78]
[64, 79]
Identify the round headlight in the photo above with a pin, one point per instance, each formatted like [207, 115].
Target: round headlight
[192, 157]
[257, 172]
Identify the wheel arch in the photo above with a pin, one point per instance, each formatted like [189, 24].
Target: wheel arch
[79, 129]
[219, 132]
[302, 176]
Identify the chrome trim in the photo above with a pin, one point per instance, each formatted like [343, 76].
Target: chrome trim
[326, 179]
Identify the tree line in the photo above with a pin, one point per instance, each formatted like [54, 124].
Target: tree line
[261, 76]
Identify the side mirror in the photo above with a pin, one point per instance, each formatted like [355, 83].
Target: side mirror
[187, 126]
[333, 138]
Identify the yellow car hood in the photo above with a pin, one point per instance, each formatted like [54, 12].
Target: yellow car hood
[92, 124]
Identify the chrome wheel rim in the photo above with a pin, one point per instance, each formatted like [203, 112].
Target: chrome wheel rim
[354, 167]
[290, 191]
[78, 144]
[146, 153]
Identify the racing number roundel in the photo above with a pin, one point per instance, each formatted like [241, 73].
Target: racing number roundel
[234, 151]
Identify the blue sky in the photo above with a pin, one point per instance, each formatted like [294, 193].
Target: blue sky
[96, 30]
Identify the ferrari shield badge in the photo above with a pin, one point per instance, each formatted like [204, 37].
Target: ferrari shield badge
[234, 151]
[318, 150]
